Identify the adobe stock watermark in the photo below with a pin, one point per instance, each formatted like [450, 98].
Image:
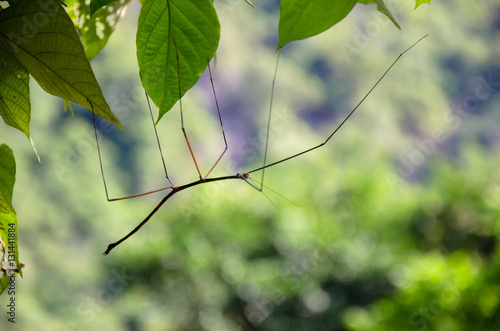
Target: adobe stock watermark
[9, 269]
[95, 304]
[449, 296]
[31, 24]
[247, 150]
[300, 266]
[77, 152]
[227, 6]
[371, 29]
[257, 310]
[486, 87]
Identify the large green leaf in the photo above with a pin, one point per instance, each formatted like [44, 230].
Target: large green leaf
[8, 218]
[196, 29]
[42, 37]
[383, 9]
[301, 19]
[95, 26]
[14, 91]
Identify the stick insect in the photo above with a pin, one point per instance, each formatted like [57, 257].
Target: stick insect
[244, 176]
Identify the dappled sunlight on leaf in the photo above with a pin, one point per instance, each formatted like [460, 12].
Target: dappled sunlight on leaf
[95, 27]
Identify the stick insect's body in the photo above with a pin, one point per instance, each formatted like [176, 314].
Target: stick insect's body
[174, 189]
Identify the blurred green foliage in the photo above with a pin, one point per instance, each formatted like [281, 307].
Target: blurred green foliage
[392, 226]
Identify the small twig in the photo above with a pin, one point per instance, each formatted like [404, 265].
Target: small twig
[250, 3]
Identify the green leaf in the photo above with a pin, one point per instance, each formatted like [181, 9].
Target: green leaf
[420, 2]
[42, 37]
[7, 178]
[95, 30]
[8, 218]
[4, 205]
[196, 29]
[14, 92]
[301, 19]
[383, 9]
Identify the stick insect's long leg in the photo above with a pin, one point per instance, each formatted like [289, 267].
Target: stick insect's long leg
[182, 118]
[269, 122]
[245, 176]
[158, 140]
[180, 106]
[102, 169]
[341, 124]
[220, 121]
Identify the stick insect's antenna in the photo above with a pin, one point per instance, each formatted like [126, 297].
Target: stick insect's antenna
[275, 192]
[342, 123]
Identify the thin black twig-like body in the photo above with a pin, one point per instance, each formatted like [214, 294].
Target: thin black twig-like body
[170, 194]
[246, 175]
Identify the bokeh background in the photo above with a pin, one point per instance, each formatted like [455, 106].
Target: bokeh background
[393, 225]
